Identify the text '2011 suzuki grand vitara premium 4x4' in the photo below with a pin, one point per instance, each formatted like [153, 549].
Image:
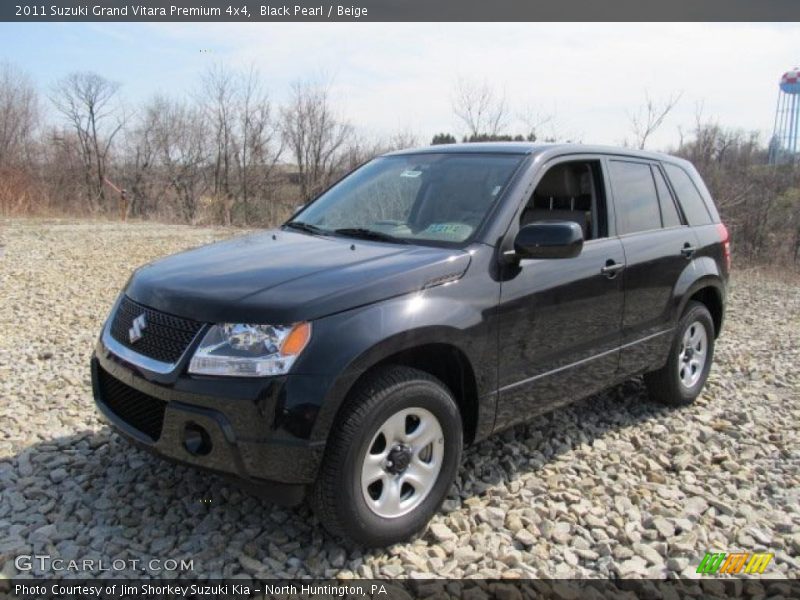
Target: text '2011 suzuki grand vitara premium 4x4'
[428, 299]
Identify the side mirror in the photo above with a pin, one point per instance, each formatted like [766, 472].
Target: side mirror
[549, 239]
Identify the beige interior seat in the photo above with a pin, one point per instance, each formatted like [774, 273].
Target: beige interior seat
[563, 194]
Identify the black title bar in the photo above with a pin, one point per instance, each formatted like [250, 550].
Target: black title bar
[403, 589]
[400, 10]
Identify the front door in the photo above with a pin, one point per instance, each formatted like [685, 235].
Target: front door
[560, 319]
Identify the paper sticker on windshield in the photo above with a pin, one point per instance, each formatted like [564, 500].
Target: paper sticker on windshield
[410, 173]
[496, 189]
[451, 228]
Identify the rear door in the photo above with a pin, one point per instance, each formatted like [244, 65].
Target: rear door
[701, 214]
[657, 246]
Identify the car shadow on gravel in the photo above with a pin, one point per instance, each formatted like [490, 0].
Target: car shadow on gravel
[525, 449]
[95, 496]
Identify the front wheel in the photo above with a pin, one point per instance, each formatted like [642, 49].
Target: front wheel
[391, 458]
[680, 381]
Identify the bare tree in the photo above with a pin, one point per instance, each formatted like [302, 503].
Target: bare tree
[534, 121]
[258, 145]
[755, 200]
[218, 102]
[650, 117]
[483, 112]
[360, 148]
[19, 118]
[314, 135]
[137, 168]
[19, 115]
[183, 152]
[403, 139]
[246, 137]
[86, 100]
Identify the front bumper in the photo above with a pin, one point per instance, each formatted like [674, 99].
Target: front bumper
[252, 429]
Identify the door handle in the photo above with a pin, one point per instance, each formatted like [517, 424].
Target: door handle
[612, 268]
[688, 250]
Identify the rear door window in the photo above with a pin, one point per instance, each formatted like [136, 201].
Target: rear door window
[669, 212]
[691, 201]
[635, 197]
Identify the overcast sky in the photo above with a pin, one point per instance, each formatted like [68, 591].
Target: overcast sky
[387, 77]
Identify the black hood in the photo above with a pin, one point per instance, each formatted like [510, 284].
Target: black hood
[284, 277]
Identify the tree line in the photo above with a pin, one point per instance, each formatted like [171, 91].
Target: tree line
[227, 153]
[223, 154]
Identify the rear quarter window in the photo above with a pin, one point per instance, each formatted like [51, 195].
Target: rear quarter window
[694, 207]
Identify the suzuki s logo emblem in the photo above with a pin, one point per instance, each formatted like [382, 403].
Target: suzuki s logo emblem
[137, 327]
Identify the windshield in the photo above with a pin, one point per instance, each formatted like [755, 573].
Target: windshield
[414, 197]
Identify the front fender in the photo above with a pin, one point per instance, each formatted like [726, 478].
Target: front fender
[350, 343]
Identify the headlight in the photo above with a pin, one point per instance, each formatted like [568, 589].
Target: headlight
[243, 350]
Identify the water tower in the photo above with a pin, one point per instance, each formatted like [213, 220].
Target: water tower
[785, 141]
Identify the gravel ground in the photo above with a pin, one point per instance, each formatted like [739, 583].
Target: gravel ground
[614, 486]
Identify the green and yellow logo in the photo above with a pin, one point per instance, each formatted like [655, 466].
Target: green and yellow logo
[721, 562]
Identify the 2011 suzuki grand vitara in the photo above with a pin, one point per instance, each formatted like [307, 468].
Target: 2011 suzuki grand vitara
[428, 299]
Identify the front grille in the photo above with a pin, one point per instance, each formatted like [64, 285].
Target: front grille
[164, 338]
[139, 410]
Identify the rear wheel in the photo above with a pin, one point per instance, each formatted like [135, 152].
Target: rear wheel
[682, 378]
[391, 459]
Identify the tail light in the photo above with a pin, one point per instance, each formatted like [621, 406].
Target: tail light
[725, 238]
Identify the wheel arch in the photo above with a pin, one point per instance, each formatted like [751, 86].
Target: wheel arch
[702, 282]
[711, 297]
[431, 350]
[452, 367]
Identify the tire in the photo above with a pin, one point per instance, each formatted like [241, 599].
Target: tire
[681, 379]
[370, 500]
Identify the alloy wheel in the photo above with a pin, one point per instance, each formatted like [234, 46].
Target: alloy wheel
[693, 354]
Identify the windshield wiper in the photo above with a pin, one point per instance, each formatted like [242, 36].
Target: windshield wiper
[369, 234]
[307, 227]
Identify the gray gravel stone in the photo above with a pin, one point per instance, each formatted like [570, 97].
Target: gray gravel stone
[493, 516]
[465, 555]
[648, 553]
[694, 507]
[523, 536]
[441, 532]
[664, 527]
[613, 485]
[58, 475]
[677, 564]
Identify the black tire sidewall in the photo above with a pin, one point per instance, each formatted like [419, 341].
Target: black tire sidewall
[366, 525]
[698, 313]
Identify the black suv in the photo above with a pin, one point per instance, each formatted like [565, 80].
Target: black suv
[427, 300]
